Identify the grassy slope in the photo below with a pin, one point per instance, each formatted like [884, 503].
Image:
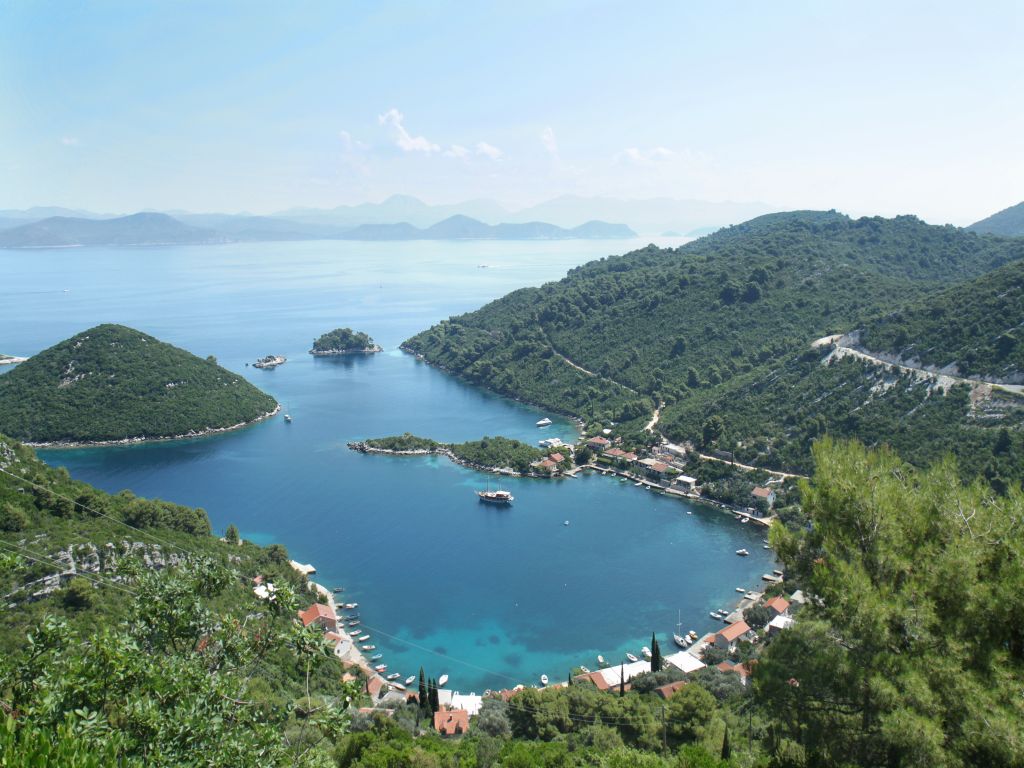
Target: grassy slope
[112, 382]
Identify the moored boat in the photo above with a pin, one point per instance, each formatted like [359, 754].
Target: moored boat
[543, 679]
[495, 497]
[381, 667]
[363, 638]
[393, 676]
[442, 681]
[631, 657]
[377, 657]
[646, 652]
[544, 422]
[368, 647]
[410, 679]
[601, 662]
[742, 552]
[584, 670]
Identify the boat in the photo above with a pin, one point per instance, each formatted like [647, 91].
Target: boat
[398, 686]
[338, 589]
[745, 520]
[377, 657]
[765, 546]
[363, 638]
[287, 419]
[368, 647]
[678, 639]
[495, 497]
[566, 522]
[692, 634]
[350, 606]
[601, 662]
[742, 552]
[631, 657]
[584, 670]
[777, 572]
[354, 623]
[637, 485]
[544, 422]
[410, 679]
[740, 589]
[381, 667]
[689, 511]
[543, 679]
[442, 681]
[393, 676]
[646, 652]
[713, 615]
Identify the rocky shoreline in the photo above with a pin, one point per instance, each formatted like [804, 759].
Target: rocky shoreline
[441, 450]
[135, 440]
[333, 352]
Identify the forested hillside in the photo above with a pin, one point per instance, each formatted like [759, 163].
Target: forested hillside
[723, 317]
[1009, 222]
[113, 383]
[977, 326]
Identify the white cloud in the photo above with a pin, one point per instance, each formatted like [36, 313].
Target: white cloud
[457, 150]
[69, 141]
[489, 150]
[393, 119]
[547, 138]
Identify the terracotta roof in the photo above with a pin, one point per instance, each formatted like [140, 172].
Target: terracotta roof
[733, 631]
[779, 604]
[451, 722]
[667, 691]
[557, 457]
[762, 493]
[599, 441]
[739, 669]
[615, 452]
[373, 685]
[629, 456]
[317, 611]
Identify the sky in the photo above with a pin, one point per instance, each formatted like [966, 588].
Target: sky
[870, 107]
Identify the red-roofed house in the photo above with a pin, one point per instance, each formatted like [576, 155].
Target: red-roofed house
[615, 453]
[451, 722]
[727, 638]
[599, 443]
[321, 615]
[668, 691]
[739, 669]
[777, 606]
[557, 457]
[545, 465]
[765, 494]
[374, 685]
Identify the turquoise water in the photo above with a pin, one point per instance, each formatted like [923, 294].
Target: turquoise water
[491, 596]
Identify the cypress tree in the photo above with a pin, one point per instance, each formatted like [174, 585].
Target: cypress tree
[656, 660]
[435, 697]
[622, 680]
[726, 749]
[424, 700]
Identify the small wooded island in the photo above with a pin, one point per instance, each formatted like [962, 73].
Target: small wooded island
[112, 384]
[344, 341]
[489, 454]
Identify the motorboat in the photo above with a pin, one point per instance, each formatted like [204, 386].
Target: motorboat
[287, 419]
[368, 647]
[393, 676]
[363, 638]
[545, 422]
[566, 522]
[398, 686]
[350, 606]
[740, 589]
[584, 670]
[338, 589]
[692, 634]
[377, 657]
[646, 652]
[442, 681]
[543, 679]
[381, 667]
[631, 657]
[410, 679]
[601, 662]
[742, 552]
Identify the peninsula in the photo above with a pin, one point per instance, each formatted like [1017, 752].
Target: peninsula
[11, 359]
[499, 455]
[113, 384]
[344, 341]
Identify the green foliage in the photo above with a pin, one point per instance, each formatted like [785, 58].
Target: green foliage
[113, 383]
[757, 616]
[498, 452]
[1009, 222]
[403, 442]
[79, 593]
[917, 633]
[657, 323]
[231, 534]
[342, 340]
[978, 326]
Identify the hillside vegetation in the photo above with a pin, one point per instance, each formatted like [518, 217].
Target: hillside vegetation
[1009, 222]
[342, 341]
[137, 229]
[977, 326]
[113, 383]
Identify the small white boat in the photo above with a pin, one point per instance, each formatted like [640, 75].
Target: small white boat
[442, 681]
[740, 589]
[689, 511]
[637, 485]
[631, 657]
[742, 552]
[398, 686]
[544, 422]
[566, 522]
[679, 640]
[543, 679]
[287, 418]
[646, 652]
[410, 679]
[713, 615]
[381, 667]
[745, 520]
[692, 634]
[363, 638]
[377, 657]
[765, 546]
[350, 606]
[393, 676]
[368, 647]
[601, 662]
[584, 670]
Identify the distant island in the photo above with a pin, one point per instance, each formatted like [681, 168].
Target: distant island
[1009, 222]
[500, 455]
[112, 384]
[344, 341]
[145, 229]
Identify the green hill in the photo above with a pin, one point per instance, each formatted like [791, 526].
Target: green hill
[977, 326]
[726, 315]
[1009, 222]
[343, 341]
[113, 383]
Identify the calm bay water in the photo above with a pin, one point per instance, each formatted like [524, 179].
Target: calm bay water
[491, 596]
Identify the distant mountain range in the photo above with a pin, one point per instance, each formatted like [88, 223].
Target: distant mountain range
[162, 229]
[1008, 222]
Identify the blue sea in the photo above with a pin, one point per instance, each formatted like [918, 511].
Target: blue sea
[491, 596]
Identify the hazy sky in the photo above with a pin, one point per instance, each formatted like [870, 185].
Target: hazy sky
[889, 107]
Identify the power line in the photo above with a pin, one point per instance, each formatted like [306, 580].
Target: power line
[38, 558]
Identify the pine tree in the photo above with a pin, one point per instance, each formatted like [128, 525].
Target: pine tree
[231, 534]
